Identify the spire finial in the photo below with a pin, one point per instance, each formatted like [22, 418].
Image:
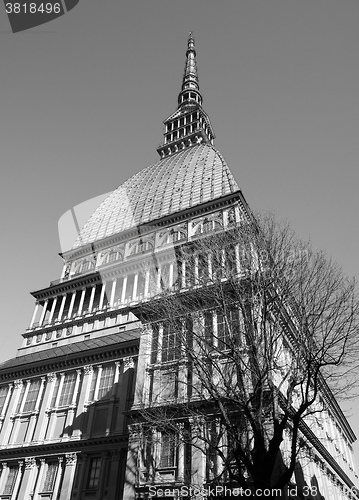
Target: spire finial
[190, 76]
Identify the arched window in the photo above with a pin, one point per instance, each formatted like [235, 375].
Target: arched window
[87, 265]
[113, 256]
[141, 247]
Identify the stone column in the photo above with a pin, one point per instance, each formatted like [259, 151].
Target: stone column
[42, 317]
[82, 298]
[71, 304]
[44, 415]
[34, 314]
[92, 296]
[84, 394]
[198, 463]
[132, 462]
[183, 283]
[135, 283]
[215, 330]
[113, 494]
[62, 307]
[210, 272]
[104, 460]
[180, 469]
[121, 390]
[34, 417]
[159, 343]
[124, 285]
[238, 261]
[102, 295]
[9, 419]
[6, 404]
[40, 477]
[18, 479]
[69, 474]
[170, 278]
[113, 291]
[4, 473]
[147, 283]
[54, 302]
[28, 383]
[196, 275]
[55, 493]
[158, 280]
[99, 372]
[29, 477]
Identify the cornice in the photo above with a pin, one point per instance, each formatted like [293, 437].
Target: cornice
[74, 446]
[309, 434]
[74, 360]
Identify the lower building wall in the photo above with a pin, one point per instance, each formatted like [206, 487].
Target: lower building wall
[96, 475]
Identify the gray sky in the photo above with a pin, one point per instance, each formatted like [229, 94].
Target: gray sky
[82, 100]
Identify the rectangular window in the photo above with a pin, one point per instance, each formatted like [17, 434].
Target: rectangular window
[3, 393]
[67, 389]
[106, 382]
[32, 395]
[94, 473]
[49, 479]
[202, 269]
[228, 328]
[171, 341]
[10, 481]
[168, 450]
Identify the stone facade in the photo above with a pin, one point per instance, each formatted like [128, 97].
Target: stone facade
[68, 401]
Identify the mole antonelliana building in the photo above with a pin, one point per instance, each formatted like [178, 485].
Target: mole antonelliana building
[68, 400]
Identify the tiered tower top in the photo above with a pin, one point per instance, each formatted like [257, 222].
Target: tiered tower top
[189, 124]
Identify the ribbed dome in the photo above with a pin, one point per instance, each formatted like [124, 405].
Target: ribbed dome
[188, 178]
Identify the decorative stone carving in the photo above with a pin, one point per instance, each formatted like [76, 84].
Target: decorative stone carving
[30, 462]
[88, 369]
[128, 363]
[51, 377]
[134, 430]
[71, 458]
[18, 384]
[197, 424]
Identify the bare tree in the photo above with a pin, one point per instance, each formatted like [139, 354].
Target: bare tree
[261, 331]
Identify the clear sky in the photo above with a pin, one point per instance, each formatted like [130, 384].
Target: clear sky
[82, 100]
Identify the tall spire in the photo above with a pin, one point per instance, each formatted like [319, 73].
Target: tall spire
[189, 124]
[190, 76]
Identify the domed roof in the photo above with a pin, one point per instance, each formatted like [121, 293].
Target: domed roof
[177, 182]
